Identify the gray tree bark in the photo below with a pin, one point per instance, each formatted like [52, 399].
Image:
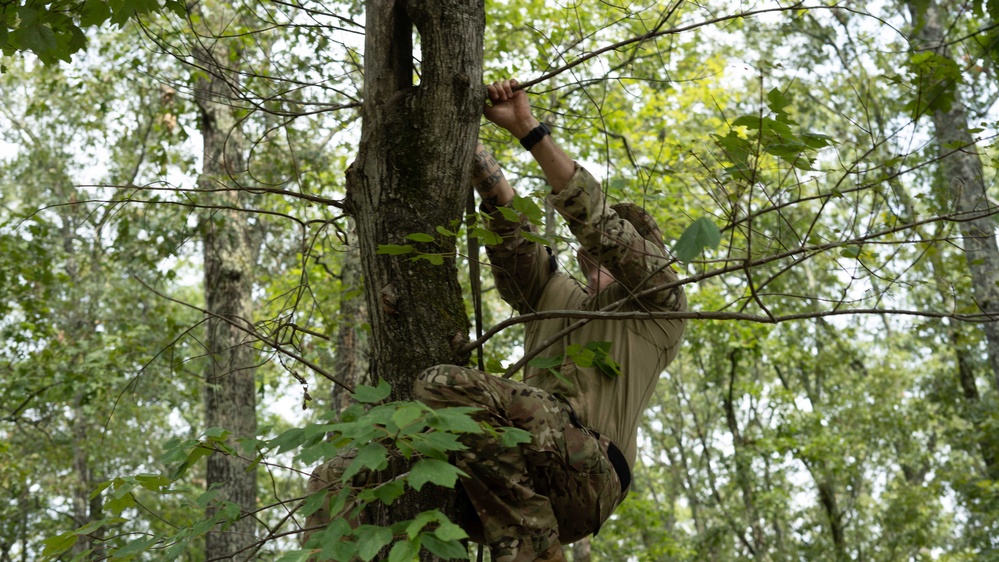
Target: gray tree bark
[411, 175]
[963, 170]
[230, 397]
[352, 347]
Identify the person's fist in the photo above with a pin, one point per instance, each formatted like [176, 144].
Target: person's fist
[509, 108]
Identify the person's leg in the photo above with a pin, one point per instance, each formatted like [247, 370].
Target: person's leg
[518, 522]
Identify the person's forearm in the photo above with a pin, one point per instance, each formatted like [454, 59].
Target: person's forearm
[488, 178]
[555, 163]
[557, 166]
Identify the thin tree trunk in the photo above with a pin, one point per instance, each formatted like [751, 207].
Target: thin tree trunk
[230, 397]
[350, 362]
[743, 470]
[411, 175]
[581, 551]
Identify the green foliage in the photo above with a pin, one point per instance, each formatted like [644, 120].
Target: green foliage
[52, 30]
[933, 81]
[701, 234]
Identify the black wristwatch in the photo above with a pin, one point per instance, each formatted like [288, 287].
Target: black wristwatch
[535, 136]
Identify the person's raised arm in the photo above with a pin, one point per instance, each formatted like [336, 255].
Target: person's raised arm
[511, 110]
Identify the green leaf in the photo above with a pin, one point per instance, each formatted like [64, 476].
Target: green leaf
[424, 518]
[817, 140]
[54, 546]
[94, 12]
[217, 433]
[437, 444]
[134, 547]
[602, 359]
[41, 40]
[851, 252]
[369, 395]
[390, 491]
[406, 414]
[445, 232]
[754, 122]
[394, 249]
[547, 362]
[230, 511]
[488, 237]
[700, 235]
[152, 482]
[405, 551]
[435, 259]
[454, 420]
[372, 456]
[527, 207]
[295, 556]
[94, 525]
[100, 488]
[448, 531]
[288, 440]
[512, 436]
[786, 149]
[206, 498]
[508, 213]
[446, 550]
[736, 149]
[177, 7]
[371, 539]
[419, 237]
[313, 503]
[433, 471]
[777, 101]
[532, 237]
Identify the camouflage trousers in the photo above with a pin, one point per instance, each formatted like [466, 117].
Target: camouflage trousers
[528, 500]
[532, 498]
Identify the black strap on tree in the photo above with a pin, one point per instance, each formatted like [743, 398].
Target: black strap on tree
[475, 279]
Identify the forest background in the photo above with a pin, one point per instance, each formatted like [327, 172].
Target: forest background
[181, 278]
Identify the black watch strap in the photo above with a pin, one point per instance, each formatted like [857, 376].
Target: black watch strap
[535, 136]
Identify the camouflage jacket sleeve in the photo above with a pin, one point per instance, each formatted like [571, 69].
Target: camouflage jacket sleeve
[635, 263]
[520, 266]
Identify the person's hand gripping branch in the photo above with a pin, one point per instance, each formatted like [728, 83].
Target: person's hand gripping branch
[510, 109]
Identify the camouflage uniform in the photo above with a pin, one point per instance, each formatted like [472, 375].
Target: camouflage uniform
[562, 486]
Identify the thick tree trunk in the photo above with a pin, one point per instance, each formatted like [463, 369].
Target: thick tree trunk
[411, 175]
[967, 190]
[230, 398]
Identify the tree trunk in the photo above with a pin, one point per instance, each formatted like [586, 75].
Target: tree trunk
[230, 398]
[581, 551]
[411, 175]
[350, 362]
[967, 190]
[742, 460]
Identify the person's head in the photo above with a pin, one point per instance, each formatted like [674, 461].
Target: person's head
[597, 276]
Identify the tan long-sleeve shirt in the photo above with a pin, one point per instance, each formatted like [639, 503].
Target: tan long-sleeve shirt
[611, 405]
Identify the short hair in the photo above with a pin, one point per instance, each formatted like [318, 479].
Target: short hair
[642, 221]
